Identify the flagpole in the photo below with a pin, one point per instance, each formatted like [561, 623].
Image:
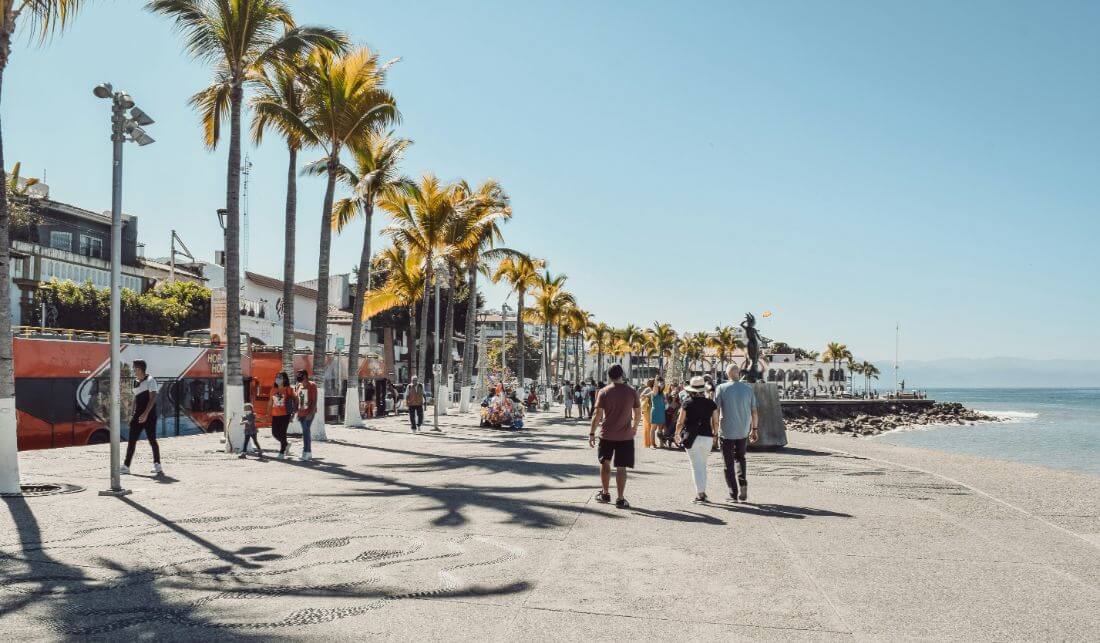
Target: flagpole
[897, 341]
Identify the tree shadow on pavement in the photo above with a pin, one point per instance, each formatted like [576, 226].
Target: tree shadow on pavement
[59, 600]
[782, 511]
[450, 500]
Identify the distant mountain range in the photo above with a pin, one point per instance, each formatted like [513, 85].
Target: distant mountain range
[996, 372]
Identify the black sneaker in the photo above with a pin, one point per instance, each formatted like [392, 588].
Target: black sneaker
[700, 499]
[744, 493]
[733, 496]
[621, 503]
[603, 496]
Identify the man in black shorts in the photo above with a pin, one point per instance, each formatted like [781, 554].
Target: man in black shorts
[617, 414]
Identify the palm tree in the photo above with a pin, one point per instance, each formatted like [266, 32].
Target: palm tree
[239, 38]
[375, 173]
[344, 102]
[403, 287]
[421, 214]
[630, 335]
[551, 299]
[46, 17]
[836, 353]
[663, 339]
[600, 335]
[692, 347]
[522, 273]
[576, 321]
[724, 340]
[470, 238]
[869, 372]
[279, 91]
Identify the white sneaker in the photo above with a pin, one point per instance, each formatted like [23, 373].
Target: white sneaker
[280, 455]
[306, 456]
[157, 470]
[124, 470]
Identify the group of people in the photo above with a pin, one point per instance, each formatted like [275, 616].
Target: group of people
[580, 397]
[285, 402]
[702, 416]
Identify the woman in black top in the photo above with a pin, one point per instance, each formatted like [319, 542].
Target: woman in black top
[696, 428]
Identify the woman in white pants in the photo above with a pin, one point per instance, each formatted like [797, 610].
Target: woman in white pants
[696, 428]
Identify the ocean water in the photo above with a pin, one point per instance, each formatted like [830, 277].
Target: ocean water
[1056, 428]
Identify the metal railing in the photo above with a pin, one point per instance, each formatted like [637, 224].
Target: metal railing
[74, 334]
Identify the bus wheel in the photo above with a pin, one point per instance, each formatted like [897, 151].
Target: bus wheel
[215, 427]
[101, 436]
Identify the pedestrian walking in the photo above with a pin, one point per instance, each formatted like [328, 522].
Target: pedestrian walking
[578, 400]
[617, 415]
[590, 397]
[145, 416]
[248, 420]
[414, 400]
[647, 410]
[695, 431]
[736, 403]
[368, 400]
[657, 412]
[306, 393]
[567, 399]
[279, 399]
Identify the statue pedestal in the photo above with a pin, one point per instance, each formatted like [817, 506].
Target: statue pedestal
[772, 430]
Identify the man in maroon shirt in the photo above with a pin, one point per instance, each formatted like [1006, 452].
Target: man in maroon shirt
[617, 414]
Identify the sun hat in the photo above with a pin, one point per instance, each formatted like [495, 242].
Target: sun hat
[697, 385]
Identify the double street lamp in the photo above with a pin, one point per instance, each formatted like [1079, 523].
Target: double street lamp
[124, 127]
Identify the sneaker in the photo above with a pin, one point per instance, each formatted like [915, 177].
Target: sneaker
[621, 503]
[241, 456]
[744, 495]
[124, 470]
[603, 496]
[733, 496]
[306, 456]
[157, 469]
[700, 499]
[280, 455]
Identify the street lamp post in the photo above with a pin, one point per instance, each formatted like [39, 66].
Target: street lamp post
[222, 216]
[124, 127]
[504, 310]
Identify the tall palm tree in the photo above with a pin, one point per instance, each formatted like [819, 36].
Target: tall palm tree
[344, 102]
[551, 299]
[472, 232]
[45, 17]
[521, 272]
[630, 335]
[490, 199]
[279, 91]
[836, 353]
[664, 338]
[600, 335]
[402, 288]
[869, 372]
[576, 321]
[421, 214]
[239, 38]
[724, 341]
[375, 173]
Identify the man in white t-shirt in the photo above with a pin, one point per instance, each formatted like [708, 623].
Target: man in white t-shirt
[145, 416]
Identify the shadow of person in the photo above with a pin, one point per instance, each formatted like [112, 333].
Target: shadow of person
[679, 516]
[782, 511]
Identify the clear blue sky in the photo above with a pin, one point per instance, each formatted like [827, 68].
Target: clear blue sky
[844, 165]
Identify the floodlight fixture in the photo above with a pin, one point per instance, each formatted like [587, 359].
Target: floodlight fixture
[125, 101]
[140, 117]
[222, 214]
[103, 90]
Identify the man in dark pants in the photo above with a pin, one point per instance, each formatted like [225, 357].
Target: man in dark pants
[145, 416]
[414, 399]
[737, 404]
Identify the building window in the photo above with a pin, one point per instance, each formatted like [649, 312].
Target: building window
[61, 240]
[91, 246]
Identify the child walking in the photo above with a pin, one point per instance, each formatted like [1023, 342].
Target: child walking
[249, 422]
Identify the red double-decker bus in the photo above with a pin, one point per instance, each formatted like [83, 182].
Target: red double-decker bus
[62, 384]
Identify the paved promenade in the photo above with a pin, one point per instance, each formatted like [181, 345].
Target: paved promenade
[481, 534]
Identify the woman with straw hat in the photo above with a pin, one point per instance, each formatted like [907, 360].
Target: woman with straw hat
[696, 427]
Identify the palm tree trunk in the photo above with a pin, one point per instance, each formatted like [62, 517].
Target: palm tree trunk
[449, 327]
[520, 342]
[410, 339]
[560, 368]
[599, 360]
[351, 402]
[320, 332]
[9, 444]
[423, 361]
[234, 394]
[471, 315]
[289, 226]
